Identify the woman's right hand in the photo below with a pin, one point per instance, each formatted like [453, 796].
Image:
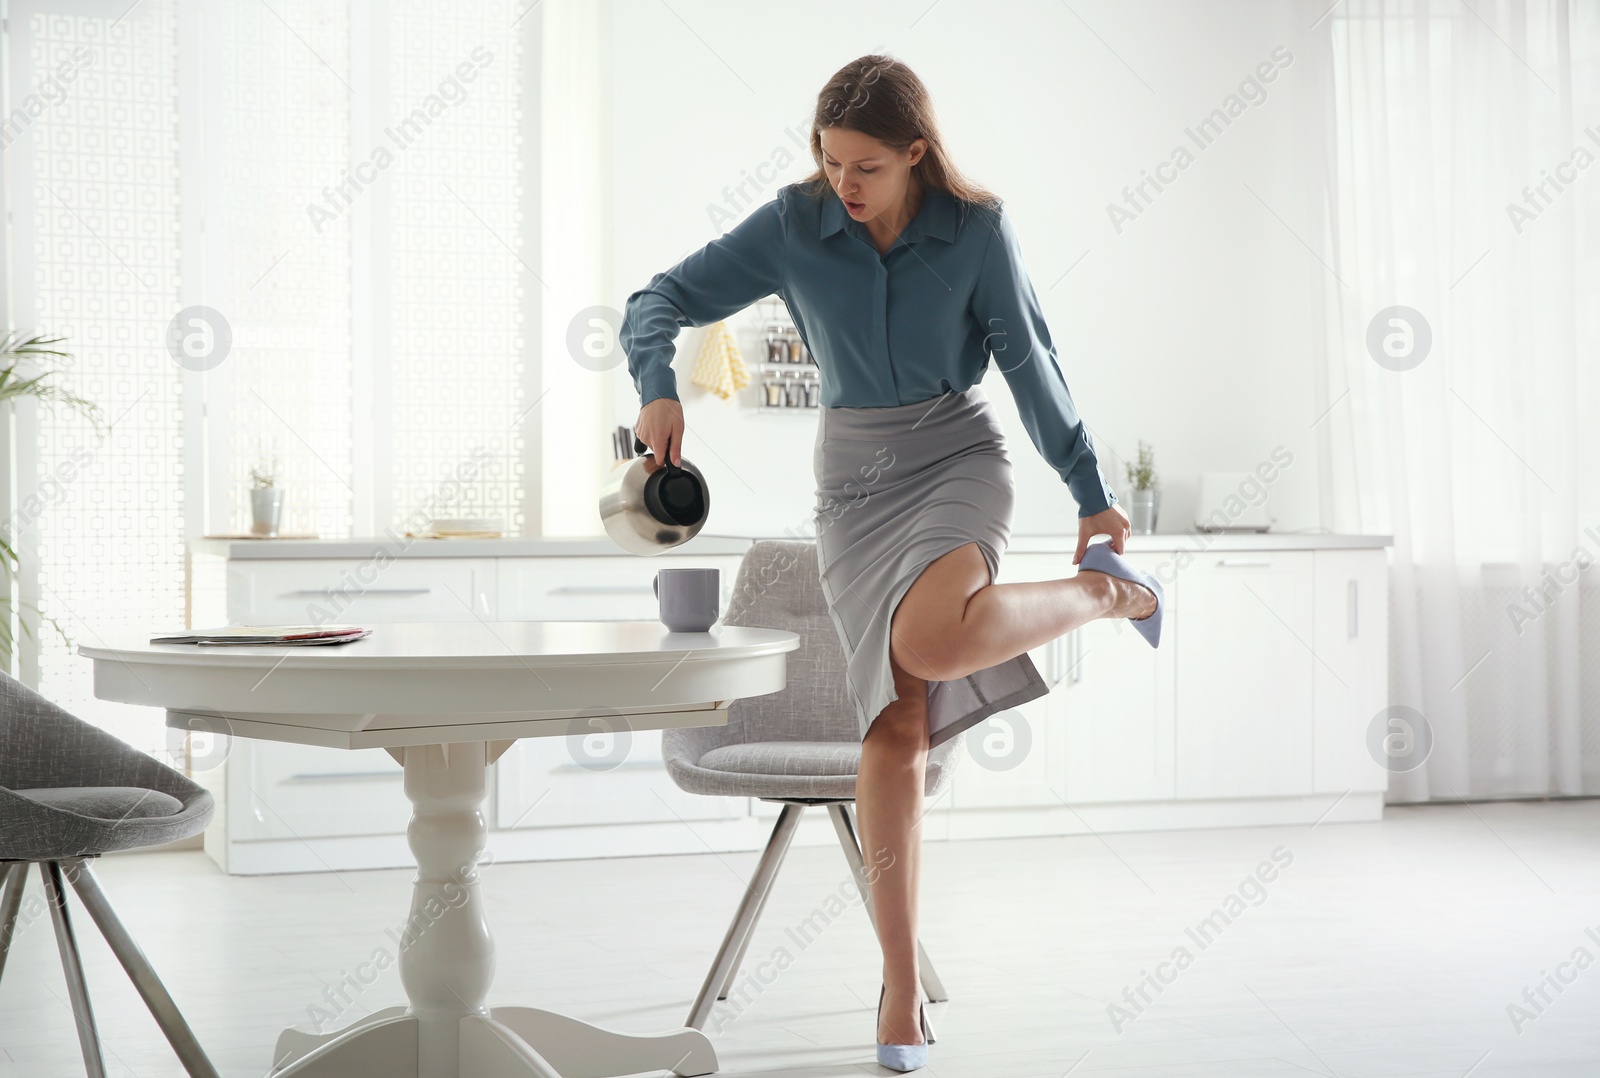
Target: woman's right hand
[660, 426]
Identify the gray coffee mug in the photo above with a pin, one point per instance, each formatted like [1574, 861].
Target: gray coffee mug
[691, 599]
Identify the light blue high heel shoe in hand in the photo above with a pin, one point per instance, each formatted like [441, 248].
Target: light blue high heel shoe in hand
[905, 1057]
[1100, 558]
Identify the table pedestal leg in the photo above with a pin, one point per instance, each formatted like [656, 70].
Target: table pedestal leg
[366, 1050]
[447, 964]
[295, 1044]
[446, 953]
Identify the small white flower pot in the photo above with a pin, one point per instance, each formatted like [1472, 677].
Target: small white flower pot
[266, 508]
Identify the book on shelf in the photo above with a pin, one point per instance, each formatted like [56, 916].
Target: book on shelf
[265, 635]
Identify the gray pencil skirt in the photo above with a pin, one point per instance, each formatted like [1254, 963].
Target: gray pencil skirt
[897, 488]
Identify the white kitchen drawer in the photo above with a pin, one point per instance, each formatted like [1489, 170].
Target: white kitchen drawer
[282, 791]
[313, 591]
[594, 589]
[598, 777]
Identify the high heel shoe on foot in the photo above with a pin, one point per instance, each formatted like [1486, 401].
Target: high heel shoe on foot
[905, 1057]
[1102, 559]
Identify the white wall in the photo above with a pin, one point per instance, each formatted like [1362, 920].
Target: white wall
[1192, 329]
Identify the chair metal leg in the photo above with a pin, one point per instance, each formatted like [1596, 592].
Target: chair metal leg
[749, 934]
[15, 877]
[844, 824]
[140, 972]
[72, 965]
[744, 919]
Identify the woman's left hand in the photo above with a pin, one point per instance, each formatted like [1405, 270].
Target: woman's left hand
[1112, 521]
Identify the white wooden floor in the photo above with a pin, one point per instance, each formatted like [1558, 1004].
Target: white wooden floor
[1381, 950]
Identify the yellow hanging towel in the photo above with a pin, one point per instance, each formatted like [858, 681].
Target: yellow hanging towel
[720, 367]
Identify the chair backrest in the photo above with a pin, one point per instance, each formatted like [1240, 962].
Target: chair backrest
[779, 587]
[43, 745]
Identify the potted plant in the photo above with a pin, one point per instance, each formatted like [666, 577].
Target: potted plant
[26, 371]
[1145, 500]
[266, 499]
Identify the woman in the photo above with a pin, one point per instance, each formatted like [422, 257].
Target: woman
[904, 279]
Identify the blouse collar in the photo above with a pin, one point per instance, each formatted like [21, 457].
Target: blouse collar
[938, 216]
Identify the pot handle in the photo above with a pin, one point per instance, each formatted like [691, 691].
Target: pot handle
[639, 449]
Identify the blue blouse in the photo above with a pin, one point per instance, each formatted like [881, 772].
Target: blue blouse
[885, 330]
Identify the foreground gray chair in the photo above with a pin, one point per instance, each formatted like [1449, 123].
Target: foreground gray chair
[68, 793]
[797, 747]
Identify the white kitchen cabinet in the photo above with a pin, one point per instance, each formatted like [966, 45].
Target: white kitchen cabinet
[1012, 760]
[1351, 641]
[1105, 732]
[1254, 710]
[294, 792]
[288, 807]
[307, 591]
[1117, 707]
[598, 776]
[616, 588]
[1013, 757]
[1246, 686]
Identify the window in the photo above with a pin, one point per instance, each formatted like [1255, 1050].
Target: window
[341, 193]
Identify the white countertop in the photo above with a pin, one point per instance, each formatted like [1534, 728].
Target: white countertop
[1197, 541]
[510, 547]
[709, 545]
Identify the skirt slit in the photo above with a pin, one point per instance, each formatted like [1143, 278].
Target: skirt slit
[898, 488]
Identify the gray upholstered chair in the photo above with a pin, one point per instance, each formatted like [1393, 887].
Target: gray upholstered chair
[797, 747]
[68, 793]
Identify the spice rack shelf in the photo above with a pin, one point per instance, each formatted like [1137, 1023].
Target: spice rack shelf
[789, 380]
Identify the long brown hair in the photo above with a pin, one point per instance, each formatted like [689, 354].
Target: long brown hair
[882, 98]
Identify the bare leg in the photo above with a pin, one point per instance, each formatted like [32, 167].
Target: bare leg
[889, 805]
[953, 621]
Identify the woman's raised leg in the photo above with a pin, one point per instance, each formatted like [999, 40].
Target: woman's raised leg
[953, 621]
[889, 805]
[950, 623]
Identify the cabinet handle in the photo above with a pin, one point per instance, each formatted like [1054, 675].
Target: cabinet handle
[363, 591]
[1057, 655]
[1352, 620]
[1244, 563]
[600, 589]
[621, 765]
[1070, 648]
[345, 776]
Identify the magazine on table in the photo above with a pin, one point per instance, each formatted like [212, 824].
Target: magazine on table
[266, 635]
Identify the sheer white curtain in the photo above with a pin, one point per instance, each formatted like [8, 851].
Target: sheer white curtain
[1463, 183]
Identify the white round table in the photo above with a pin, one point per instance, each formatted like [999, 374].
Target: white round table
[445, 700]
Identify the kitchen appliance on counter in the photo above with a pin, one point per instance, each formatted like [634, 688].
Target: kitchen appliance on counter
[1233, 502]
